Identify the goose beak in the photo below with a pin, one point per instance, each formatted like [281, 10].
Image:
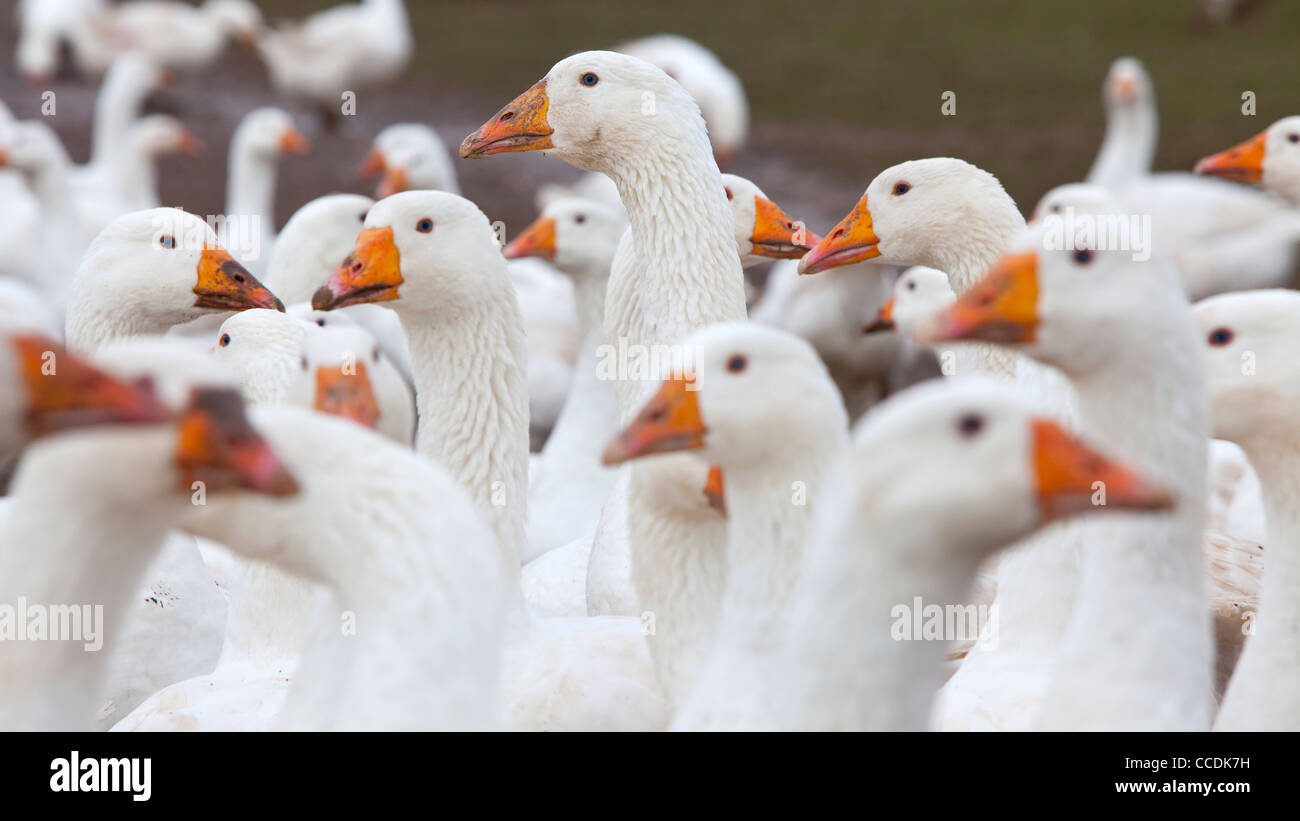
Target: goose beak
[776, 236]
[537, 240]
[670, 421]
[393, 182]
[225, 285]
[373, 164]
[1001, 307]
[853, 240]
[1244, 162]
[217, 446]
[884, 320]
[520, 126]
[715, 491]
[64, 391]
[370, 273]
[1124, 88]
[4, 158]
[189, 145]
[347, 394]
[293, 142]
[1071, 477]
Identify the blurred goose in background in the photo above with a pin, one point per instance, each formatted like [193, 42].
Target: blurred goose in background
[150, 270]
[409, 156]
[1255, 408]
[341, 49]
[262, 136]
[1271, 157]
[715, 87]
[1123, 333]
[435, 258]
[918, 294]
[1129, 145]
[175, 36]
[938, 479]
[43, 26]
[135, 174]
[122, 94]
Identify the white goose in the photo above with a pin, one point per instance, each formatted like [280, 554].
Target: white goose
[43, 26]
[255, 148]
[410, 156]
[1271, 157]
[939, 478]
[150, 270]
[676, 270]
[918, 294]
[764, 409]
[1124, 334]
[343, 48]
[175, 36]
[135, 174]
[1247, 338]
[1129, 145]
[138, 477]
[129, 82]
[435, 257]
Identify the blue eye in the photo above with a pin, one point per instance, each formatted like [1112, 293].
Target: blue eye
[424, 226]
[1220, 337]
[589, 79]
[737, 363]
[1083, 256]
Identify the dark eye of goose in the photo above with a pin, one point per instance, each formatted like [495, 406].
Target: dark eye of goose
[302, 360]
[1295, 138]
[1055, 209]
[424, 226]
[224, 341]
[589, 79]
[1220, 337]
[321, 322]
[167, 241]
[728, 190]
[737, 363]
[1083, 256]
[901, 189]
[362, 217]
[911, 286]
[375, 354]
[970, 424]
[580, 219]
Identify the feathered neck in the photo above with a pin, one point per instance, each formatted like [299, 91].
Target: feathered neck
[1128, 147]
[250, 190]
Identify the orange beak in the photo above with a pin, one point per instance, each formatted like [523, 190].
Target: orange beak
[1124, 88]
[853, 240]
[520, 126]
[4, 158]
[670, 421]
[189, 145]
[1001, 307]
[225, 285]
[393, 182]
[776, 235]
[371, 165]
[1072, 477]
[537, 240]
[65, 392]
[884, 320]
[715, 491]
[347, 394]
[1244, 162]
[293, 142]
[371, 273]
[217, 446]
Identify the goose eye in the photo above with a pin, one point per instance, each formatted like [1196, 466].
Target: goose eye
[1055, 209]
[911, 286]
[424, 226]
[321, 322]
[970, 424]
[375, 354]
[580, 219]
[729, 194]
[224, 341]
[167, 241]
[302, 360]
[362, 216]
[1083, 256]
[1220, 337]
[737, 363]
[1295, 138]
[589, 79]
[901, 189]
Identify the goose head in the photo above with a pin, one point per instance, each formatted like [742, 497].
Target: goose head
[1078, 308]
[32, 147]
[265, 350]
[1079, 197]
[240, 19]
[755, 393]
[969, 463]
[266, 133]
[166, 267]
[429, 250]
[937, 212]
[315, 238]
[592, 109]
[157, 135]
[1271, 157]
[410, 155]
[763, 231]
[1127, 87]
[579, 236]
[1249, 342]
[918, 293]
[343, 364]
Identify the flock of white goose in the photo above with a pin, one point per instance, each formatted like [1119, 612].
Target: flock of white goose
[305, 483]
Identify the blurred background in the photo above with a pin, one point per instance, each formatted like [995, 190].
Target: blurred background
[839, 89]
